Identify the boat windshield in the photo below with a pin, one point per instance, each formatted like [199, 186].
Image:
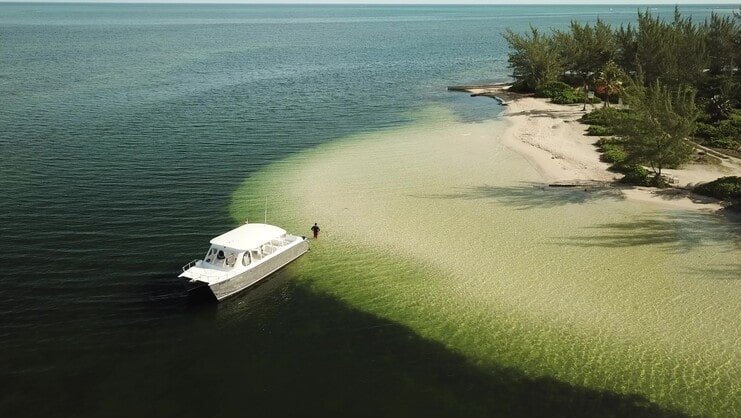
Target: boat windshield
[221, 257]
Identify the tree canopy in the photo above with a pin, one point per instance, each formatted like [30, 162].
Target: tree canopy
[680, 79]
[660, 122]
[585, 49]
[678, 52]
[533, 58]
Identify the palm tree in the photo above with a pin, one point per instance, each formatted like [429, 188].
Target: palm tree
[610, 81]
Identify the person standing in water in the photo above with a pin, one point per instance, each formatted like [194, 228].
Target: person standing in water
[315, 229]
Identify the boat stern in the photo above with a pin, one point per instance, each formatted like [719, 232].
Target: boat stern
[191, 283]
[194, 276]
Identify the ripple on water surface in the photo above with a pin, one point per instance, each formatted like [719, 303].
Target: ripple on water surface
[578, 285]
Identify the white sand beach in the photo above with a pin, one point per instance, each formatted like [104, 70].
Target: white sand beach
[555, 143]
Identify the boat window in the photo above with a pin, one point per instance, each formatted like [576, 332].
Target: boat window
[246, 260]
[256, 255]
[210, 254]
[231, 259]
[268, 249]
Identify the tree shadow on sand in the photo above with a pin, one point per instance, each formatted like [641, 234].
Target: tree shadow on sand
[530, 195]
[719, 272]
[679, 194]
[552, 114]
[676, 232]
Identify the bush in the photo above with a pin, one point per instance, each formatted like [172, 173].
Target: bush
[562, 93]
[730, 128]
[618, 168]
[612, 152]
[552, 89]
[599, 130]
[603, 141]
[573, 97]
[559, 93]
[519, 86]
[567, 97]
[636, 175]
[705, 131]
[724, 134]
[604, 116]
[724, 188]
[724, 143]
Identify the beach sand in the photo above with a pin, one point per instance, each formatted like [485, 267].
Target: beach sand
[555, 143]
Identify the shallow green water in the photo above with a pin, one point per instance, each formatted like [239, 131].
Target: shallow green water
[577, 285]
[125, 129]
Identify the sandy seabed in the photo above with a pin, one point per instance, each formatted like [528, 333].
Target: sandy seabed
[581, 284]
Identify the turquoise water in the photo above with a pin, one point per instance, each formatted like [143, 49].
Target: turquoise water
[125, 131]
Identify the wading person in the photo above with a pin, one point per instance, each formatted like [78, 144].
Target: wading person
[315, 229]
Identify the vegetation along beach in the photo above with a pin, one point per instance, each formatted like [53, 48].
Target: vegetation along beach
[525, 211]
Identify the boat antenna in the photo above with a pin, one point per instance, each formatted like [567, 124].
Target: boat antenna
[266, 209]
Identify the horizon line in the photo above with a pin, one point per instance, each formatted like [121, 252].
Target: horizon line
[390, 3]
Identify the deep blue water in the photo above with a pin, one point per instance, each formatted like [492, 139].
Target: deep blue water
[124, 129]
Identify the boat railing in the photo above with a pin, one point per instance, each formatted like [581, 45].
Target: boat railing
[279, 242]
[189, 265]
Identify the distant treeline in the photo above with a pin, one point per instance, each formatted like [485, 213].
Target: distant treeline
[676, 52]
[679, 77]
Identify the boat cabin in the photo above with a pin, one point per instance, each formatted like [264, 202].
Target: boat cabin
[250, 243]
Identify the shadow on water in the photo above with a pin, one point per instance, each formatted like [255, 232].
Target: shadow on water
[529, 195]
[284, 350]
[677, 232]
[242, 303]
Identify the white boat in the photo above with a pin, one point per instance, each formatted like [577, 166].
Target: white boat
[241, 258]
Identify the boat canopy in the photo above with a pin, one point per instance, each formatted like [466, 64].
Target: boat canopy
[248, 236]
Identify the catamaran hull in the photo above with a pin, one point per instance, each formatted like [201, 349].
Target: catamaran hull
[251, 277]
[193, 284]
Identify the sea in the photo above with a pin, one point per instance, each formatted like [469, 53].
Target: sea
[126, 131]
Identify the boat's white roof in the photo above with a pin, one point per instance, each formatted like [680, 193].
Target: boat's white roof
[248, 236]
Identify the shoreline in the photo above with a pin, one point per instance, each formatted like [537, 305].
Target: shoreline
[553, 141]
[437, 225]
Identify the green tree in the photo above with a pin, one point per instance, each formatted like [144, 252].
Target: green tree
[674, 52]
[533, 59]
[626, 38]
[690, 55]
[661, 120]
[722, 43]
[719, 108]
[585, 50]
